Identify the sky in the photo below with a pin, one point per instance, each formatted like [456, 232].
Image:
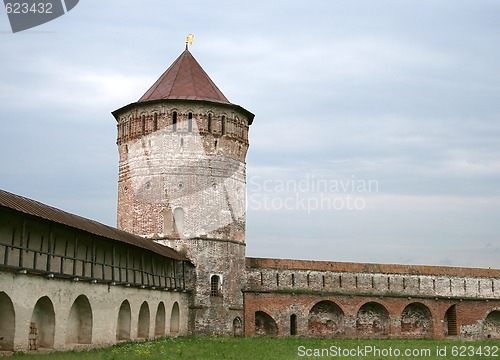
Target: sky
[377, 123]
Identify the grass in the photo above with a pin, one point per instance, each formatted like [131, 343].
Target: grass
[215, 348]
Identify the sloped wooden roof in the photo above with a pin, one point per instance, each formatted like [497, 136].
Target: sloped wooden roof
[49, 213]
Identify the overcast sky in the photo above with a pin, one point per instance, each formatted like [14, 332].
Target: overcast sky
[391, 106]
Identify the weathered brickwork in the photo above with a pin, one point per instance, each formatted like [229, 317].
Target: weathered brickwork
[190, 168]
[214, 313]
[370, 300]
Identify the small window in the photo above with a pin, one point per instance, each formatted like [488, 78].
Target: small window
[209, 123]
[190, 122]
[174, 121]
[179, 220]
[293, 324]
[155, 122]
[143, 124]
[215, 286]
[223, 125]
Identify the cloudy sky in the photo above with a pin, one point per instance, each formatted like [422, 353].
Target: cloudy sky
[377, 128]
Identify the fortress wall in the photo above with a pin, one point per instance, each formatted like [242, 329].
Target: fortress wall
[73, 314]
[314, 298]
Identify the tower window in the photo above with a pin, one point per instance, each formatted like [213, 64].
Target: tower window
[223, 125]
[190, 122]
[179, 220]
[143, 124]
[155, 122]
[209, 123]
[174, 121]
[215, 286]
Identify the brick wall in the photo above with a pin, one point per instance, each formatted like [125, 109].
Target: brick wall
[370, 300]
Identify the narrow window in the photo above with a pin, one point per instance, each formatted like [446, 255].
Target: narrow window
[179, 220]
[261, 278]
[373, 282]
[434, 284]
[308, 277]
[214, 286]
[209, 123]
[388, 283]
[293, 325]
[277, 279]
[174, 121]
[143, 124]
[419, 283]
[356, 282]
[190, 122]
[404, 283]
[293, 279]
[324, 281]
[223, 125]
[340, 280]
[155, 122]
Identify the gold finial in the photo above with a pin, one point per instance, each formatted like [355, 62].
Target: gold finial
[189, 40]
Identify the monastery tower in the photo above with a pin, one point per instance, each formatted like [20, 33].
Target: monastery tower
[182, 182]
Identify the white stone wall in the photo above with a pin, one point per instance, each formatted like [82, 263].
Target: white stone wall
[25, 290]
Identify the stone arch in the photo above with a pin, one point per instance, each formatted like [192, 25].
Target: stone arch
[325, 319]
[174, 319]
[450, 321]
[372, 320]
[265, 324]
[7, 322]
[160, 320]
[143, 321]
[491, 325]
[42, 325]
[237, 327]
[79, 326]
[416, 320]
[124, 321]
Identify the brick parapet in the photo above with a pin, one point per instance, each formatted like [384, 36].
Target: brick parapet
[297, 276]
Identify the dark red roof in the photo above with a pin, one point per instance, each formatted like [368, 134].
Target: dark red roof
[185, 79]
[37, 209]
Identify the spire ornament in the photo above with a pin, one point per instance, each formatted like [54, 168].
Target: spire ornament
[189, 40]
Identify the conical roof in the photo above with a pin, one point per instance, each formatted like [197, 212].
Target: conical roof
[185, 79]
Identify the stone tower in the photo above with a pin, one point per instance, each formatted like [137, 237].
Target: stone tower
[182, 182]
